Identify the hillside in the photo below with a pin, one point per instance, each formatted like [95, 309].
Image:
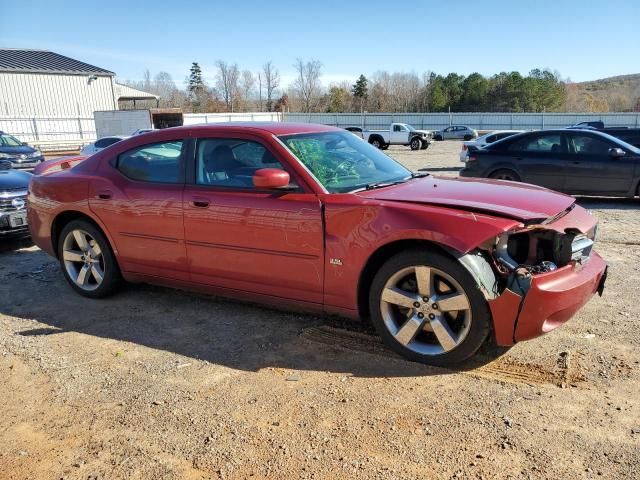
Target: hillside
[619, 93]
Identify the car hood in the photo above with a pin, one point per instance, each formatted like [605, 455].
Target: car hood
[22, 149]
[519, 201]
[13, 180]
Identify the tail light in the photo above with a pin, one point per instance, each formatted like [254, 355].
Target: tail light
[471, 158]
[464, 148]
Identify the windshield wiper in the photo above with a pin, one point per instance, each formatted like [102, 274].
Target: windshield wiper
[420, 174]
[374, 185]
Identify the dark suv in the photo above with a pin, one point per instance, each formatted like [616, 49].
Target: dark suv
[13, 201]
[18, 153]
[626, 134]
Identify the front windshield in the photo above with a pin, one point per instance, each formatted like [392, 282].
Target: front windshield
[342, 162]
[411, 129]
[622, 143]
[9, 141]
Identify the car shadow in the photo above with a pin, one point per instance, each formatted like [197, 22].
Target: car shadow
[11, 244]
[220, 331]
[608, 203]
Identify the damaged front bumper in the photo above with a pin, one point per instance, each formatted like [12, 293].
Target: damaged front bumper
[550, 300]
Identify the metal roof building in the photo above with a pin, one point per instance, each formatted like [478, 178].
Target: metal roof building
[40, 83]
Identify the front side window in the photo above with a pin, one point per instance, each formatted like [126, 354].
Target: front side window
[588, 145]
[540, 143]
[232, 163]
[342, 162]
[491, 138]
[9, 141]
[158, 162]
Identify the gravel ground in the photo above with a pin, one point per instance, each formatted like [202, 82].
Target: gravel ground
[158, 383]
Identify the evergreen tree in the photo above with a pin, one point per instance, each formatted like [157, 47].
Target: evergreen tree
[196, 87]
[360, 90]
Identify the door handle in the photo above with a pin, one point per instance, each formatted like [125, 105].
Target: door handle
[105, 195]
[200, 202]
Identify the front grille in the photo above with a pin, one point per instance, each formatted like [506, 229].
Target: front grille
[7, 198]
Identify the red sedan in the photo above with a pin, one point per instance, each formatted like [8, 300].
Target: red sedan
[312, 217]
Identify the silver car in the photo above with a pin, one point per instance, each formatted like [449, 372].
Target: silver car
[455, 132]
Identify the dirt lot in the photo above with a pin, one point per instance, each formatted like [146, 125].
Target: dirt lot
[156, 383]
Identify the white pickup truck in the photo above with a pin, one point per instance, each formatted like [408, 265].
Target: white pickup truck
[398, 134]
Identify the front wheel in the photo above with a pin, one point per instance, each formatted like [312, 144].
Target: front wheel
[438, 138]
[87, 261]
[416, 144]
[428, 308]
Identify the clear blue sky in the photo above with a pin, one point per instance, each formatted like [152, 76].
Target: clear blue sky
[581, 39]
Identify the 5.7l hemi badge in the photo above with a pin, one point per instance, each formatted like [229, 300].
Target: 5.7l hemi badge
[335, 261]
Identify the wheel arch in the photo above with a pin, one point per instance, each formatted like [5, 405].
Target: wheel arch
[381, 255]
[63, 218]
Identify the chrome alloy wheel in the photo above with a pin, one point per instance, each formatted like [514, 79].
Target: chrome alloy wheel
[425, 310]
[83, 260]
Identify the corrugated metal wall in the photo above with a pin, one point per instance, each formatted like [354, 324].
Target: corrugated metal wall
[195, 118]
[480, 121]
[46, 95]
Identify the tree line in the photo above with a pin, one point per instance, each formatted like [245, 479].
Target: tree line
[236, 90]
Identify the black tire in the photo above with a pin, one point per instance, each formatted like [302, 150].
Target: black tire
[377, 142]
[480, 317]
[438, 138]
[468, 137]
[505, 174]
[415, 144]
[385, 147]
[111, 279]
[425, 145]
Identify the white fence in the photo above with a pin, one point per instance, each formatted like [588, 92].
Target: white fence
[480, 121]
[195, 118]
[52, 134]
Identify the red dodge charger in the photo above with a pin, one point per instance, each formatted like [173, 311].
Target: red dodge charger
[312, 217]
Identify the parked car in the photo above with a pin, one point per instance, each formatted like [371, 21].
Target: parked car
[309, 216]
[626, 134]
[357, 131]
[485, 140]
[580, 162]
[398, 134]
[20, 154]
[455, 132]
[98, 145]
[13, 201]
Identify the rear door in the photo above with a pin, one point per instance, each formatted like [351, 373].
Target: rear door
[541, 158]
[592, 169]
[138, 196]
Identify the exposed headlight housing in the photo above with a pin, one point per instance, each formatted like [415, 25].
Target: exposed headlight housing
[37, 153]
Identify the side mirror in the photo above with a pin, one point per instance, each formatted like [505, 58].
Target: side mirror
[617, 152]
[270, 178]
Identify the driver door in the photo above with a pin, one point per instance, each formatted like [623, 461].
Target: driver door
[399, 134]
[243, 238]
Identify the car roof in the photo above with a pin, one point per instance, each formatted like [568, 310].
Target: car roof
[274, 128]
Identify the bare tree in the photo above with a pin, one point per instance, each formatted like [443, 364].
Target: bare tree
[247, 84]
[227, 82]
[271, 81]
[307, 82]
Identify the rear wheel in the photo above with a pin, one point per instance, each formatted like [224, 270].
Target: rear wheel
[376, 142]
[505, 174]
[468, 137]
[425, 145]
[428, 308]
[416, 144]
[87, 261]
[438, 137]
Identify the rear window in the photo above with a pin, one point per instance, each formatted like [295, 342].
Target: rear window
[156, 163]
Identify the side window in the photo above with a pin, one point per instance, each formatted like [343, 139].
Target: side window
[102, 143]
[539, 143]
[157, 162]
[230, 162]
[491, 138]
[396, 128]
[588, 145]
